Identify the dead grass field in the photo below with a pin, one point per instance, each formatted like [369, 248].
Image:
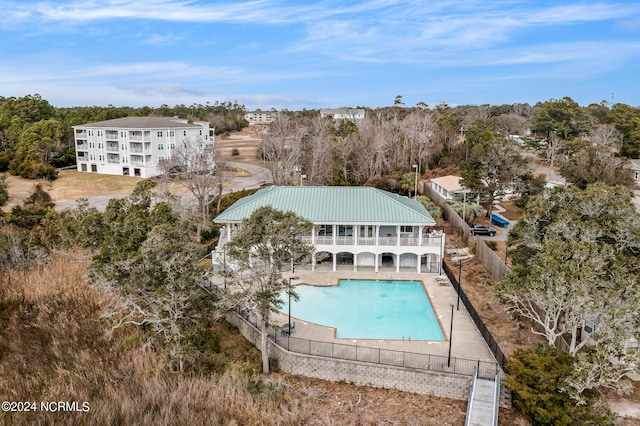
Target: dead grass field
[246, 143]
[70, 185]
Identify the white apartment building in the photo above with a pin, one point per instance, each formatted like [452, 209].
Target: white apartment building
[259, 117]
[340, 114]
[133, 146]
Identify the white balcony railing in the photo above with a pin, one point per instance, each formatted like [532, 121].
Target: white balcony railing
[432, 240]
[388, 241]
[324, 239]
[345, 241]
[366, 241]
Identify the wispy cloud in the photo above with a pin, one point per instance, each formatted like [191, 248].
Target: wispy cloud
[167, 90]
[272, 11]
[428, 36]
[163, 49]
[161, 39]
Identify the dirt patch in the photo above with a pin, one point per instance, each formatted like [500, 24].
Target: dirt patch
[344, 403]
[511, 212]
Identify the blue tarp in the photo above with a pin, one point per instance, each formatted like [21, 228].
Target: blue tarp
[500, 221]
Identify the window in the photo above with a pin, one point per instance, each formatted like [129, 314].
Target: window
[161, 158]
[170, 132]
[325, 230]
[160, 147]
[185, 133]
[173, 146]
[345, 230]
[366, 231]
[406, 229]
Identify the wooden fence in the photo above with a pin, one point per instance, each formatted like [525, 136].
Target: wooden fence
[489, 259]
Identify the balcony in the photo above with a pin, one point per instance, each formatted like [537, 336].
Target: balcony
[139, 138]
[111, 135]
[113, 147]
[428, 240]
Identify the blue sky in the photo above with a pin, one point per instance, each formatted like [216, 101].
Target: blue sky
[316, 54]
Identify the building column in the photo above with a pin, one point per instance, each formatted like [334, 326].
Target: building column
[398, 261]
[355, 262]
[419, 259]
[313, 261]
[375, 256]
[335, 260]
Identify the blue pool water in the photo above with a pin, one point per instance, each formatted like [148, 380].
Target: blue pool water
[369, 309]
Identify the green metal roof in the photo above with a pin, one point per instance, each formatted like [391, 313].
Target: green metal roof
[332, 205]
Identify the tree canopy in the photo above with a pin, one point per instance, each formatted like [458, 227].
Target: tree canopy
[575, 259]
[150, 266]
[494, 164]
[267, 241]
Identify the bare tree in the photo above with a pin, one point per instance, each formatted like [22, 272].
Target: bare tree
[419, 129]
[607, 136]
[281, 148]
[192, 165]
[372, 149]
[318, 164]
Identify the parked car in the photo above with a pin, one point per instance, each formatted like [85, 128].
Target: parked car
[480, 229]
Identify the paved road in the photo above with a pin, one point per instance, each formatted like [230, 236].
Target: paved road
[259, 176]
[550, 174]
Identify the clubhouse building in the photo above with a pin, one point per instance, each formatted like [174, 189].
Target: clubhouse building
[354, 228]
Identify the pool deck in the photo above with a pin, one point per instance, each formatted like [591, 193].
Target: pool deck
[467, 341]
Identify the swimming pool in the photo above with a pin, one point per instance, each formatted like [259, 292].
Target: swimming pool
[369, 309]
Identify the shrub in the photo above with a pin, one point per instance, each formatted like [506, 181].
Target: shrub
[4, 193]
[493, 245]
[235, 152]
[537, 378]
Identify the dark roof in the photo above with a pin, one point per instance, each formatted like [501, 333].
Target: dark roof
[142, 123]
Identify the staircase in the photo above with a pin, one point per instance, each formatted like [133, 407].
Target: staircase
[484, 401]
